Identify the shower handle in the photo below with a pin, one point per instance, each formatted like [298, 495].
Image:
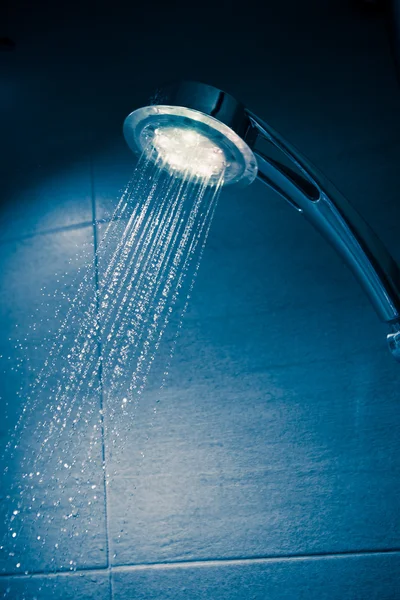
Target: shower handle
[283, 169]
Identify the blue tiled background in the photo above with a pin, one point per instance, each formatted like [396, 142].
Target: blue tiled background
[271, 468]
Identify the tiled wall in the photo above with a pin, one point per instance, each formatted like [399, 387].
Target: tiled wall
[271, 468]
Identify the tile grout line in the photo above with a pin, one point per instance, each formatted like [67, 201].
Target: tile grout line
[61, 229]
[212, 562]
[44, 232]
[216, 562]
[99, 346]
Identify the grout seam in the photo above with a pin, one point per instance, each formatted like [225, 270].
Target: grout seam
[61, 229]
[214, 562]
[99, 347]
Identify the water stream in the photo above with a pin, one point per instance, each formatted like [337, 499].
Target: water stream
[135, 289]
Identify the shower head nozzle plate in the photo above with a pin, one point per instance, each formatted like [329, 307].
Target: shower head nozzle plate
[188, 140]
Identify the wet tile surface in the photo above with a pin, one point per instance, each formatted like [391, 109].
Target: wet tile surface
[52, 479]
[52, 194]
[79, 586]
[38, 276]
[375, 577]
[52, 488]
[296, 460]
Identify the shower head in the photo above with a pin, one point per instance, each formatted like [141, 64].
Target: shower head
[195, 130]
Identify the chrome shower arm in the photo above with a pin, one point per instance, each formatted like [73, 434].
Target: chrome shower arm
[283, 169]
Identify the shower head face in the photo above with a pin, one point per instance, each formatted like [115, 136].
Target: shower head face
[185, 138]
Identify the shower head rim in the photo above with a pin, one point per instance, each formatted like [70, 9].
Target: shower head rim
[243, 167]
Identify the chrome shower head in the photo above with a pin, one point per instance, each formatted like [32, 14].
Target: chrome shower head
[194, 129]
